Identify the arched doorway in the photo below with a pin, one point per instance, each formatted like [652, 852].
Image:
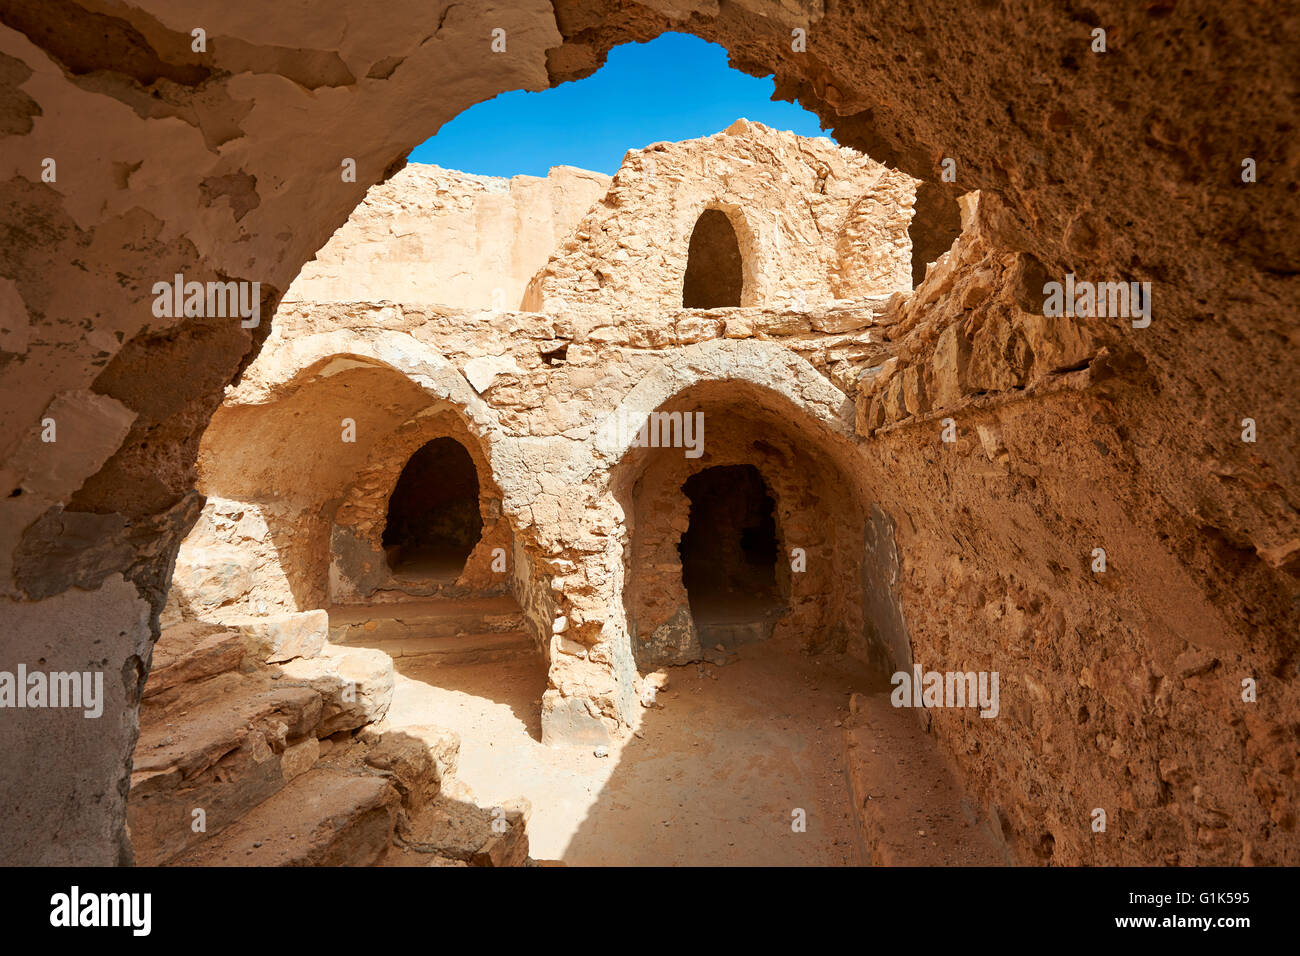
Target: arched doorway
[714, 272]
[433, 519]
[729, 548]
[760, 537]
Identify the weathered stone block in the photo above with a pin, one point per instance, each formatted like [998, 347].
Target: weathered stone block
[284, 637]
[193, 651]
[356, 684]
[418, 757]
[566, 721]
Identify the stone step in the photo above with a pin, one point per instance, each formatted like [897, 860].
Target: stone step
[405, 856]
[416, 758]
[276, 638]
[193, 651]
[908, 807]
[457, 830]
[210, 751]
[355, 683]
[323, 818]
[366, 624]
[462, 649]
[733, 634]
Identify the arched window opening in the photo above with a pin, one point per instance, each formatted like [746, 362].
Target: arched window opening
[714, 275]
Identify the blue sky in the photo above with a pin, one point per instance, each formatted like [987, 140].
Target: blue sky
[675, 87]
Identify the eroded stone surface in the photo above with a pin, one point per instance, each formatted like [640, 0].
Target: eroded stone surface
[1122, 690]
[813, 222]
[438, 235]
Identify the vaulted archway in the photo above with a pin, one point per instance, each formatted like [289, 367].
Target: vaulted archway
[300, 470]
[755, 532]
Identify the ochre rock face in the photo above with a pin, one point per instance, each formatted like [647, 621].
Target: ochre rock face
[129, 157]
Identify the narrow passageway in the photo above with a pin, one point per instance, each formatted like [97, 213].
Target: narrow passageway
[433, 519]
[714, 776]
[729, 550]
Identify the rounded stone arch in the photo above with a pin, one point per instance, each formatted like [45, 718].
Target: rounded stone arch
[286, 447]
[760, 407]
[283, 364]
[772, 369]
[359, 566]
[748, 248]
[504, 484]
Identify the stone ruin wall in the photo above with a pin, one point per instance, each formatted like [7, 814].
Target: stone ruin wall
[815, 222]
[545, 428]
[970, 345]
[438, 235]
[1126, 687]
[287, 508]
[1121, 682]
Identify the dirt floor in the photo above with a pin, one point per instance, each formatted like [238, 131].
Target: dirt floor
[715, 775]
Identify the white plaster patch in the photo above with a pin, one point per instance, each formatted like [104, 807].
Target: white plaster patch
[86, 429]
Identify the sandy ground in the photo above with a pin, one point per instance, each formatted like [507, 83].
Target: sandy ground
[714, 777]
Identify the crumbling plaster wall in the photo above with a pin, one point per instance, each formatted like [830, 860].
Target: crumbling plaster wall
[438, 235]
[814, 222]
[1118, 165]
